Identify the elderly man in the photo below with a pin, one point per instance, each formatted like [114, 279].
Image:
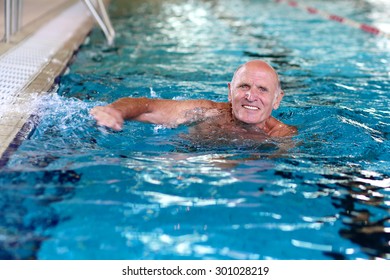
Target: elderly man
[253, 93]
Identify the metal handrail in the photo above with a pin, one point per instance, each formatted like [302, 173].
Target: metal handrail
[99, 12]
[13, 18]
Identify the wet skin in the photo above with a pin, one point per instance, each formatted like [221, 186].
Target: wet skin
[253, 93]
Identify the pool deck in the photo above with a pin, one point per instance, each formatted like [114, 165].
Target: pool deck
[33, 59]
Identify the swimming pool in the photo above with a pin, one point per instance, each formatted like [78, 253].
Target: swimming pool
[76, 191]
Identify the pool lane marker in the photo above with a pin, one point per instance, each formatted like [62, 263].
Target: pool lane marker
[362, 26]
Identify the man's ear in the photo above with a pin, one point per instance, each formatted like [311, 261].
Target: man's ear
[278, 99]
[229, 92]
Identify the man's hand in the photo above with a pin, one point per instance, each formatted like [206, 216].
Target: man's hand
[108, 116]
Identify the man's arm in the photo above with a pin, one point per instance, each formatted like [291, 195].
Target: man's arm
[158, 111]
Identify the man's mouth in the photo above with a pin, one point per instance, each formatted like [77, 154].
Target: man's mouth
[253, 108]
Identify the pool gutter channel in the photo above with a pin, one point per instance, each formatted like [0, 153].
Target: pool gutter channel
[17, 118]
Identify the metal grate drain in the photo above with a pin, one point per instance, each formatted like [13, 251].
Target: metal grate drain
[32, 65]
[23, 63]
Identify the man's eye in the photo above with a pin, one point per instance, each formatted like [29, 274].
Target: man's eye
[263, 89]
[244, 86]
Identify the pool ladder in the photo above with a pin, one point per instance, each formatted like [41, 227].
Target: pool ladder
[13, 18]
[99, 12]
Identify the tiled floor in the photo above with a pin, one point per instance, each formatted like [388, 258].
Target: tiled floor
[31, 10]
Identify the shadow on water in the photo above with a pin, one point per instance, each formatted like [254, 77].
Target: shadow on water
[359, 203]
[26, 208]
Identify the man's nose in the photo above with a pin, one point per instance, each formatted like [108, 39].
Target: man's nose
[251, 95]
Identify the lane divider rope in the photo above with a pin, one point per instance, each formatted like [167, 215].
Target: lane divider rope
[362, 26]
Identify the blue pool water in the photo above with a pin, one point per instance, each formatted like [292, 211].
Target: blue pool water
[73, 190]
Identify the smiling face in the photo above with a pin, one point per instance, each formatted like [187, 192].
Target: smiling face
[254, 92]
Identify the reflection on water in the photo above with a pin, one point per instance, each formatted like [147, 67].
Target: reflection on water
[362, 225]
[75, 191]
[25, 204]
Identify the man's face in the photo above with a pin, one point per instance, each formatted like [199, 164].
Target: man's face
[254, 93]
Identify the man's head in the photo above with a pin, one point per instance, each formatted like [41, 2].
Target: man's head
[254, 92]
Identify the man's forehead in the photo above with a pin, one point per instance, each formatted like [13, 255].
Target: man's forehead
[249, 74]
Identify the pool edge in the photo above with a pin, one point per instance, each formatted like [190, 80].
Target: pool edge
[16, 126]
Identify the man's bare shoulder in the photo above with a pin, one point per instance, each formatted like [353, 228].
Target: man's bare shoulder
[194, 111]
[209, 104]
[279, 129]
